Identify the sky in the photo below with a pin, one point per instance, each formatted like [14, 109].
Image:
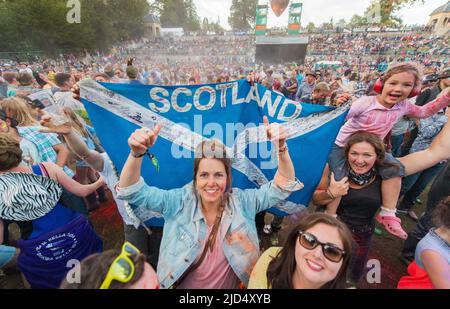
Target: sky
[319, 11]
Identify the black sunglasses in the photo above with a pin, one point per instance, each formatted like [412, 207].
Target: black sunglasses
[330, 251]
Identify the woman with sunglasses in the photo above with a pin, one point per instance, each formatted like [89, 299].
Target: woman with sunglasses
[113, 269]
[209, 238]
[361, 191]
[315, 256]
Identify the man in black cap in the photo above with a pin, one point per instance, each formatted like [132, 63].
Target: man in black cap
[429, 81]
[428, 95]
[307, 87]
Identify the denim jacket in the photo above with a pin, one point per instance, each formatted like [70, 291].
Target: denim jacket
[185, 228]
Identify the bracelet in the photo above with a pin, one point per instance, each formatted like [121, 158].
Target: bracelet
[330, 195]
[154, 160]
[137, 156]
[283, 149]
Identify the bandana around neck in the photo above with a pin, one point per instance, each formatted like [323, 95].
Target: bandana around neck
[362, 179]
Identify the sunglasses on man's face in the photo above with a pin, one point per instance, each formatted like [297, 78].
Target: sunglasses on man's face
[330, 251]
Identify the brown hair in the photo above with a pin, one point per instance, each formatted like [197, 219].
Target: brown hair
[375, 141]
[322, 86]
[25, 78]
[18, 109]
[10, 76]
[10, 152]
[103, 75]
[62, 78]
[281, 269]
[213, 150]
[95, 267]
[404, 67]
[441, 214]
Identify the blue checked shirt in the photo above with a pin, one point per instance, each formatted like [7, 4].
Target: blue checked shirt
[428, 129]
[44, 143]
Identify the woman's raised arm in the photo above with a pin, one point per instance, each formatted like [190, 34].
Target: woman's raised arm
[139, 142]
[438, 151]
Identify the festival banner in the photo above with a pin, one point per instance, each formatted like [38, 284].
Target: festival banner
[230, 112]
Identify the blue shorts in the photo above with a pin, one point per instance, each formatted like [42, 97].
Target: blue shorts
[339, 166]
[6, 254]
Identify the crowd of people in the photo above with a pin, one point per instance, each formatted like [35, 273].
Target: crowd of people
[394, 143]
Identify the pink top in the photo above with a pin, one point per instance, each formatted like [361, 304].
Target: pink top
[214, 273]
[367, 114]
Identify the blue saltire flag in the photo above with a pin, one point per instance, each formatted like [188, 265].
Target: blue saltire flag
[231, 112]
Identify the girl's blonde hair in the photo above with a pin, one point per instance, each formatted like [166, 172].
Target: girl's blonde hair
[18, 109]
[404, 67]
[75, 121]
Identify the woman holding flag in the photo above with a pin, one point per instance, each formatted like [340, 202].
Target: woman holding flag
[209, 238]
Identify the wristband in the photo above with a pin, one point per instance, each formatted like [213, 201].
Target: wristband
[137, 156]
[155, 162]
[283, 149]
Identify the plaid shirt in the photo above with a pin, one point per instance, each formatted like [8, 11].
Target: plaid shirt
[44, 143]
[428, 129]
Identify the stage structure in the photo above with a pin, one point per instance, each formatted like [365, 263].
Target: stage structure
[281, 49]
[278, 7]
[295, 16]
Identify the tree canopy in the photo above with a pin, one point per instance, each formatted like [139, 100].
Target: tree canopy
[243, 14]
[44, 25]
[390, 7]
[176, 14]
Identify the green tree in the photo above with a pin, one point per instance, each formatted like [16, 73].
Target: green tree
[327, 26]
[341, 23]
[216, 27]
[173, 13]
[358, 21]
[128, 17]
[176, 14]
[192, 22]
[242, 14]
[390, 7]
[43, 25]
[205, 24]
[156, 6]
[311, 26]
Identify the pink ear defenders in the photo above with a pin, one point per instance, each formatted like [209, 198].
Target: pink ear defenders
[379, 84]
